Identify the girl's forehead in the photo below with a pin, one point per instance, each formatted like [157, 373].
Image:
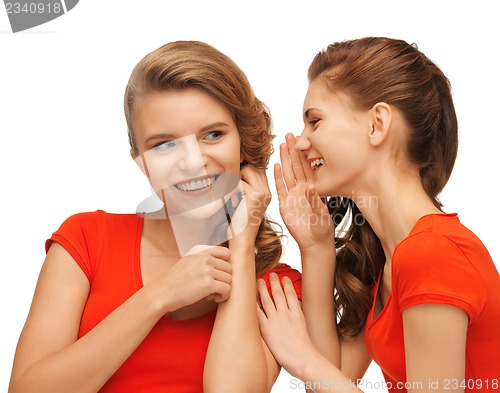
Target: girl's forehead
[181, 111]
[320, 96]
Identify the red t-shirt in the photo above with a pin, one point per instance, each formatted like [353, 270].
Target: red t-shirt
[171, 358]
[442, 262]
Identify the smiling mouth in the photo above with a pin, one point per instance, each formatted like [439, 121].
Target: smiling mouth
[316, 163]
[197, 184]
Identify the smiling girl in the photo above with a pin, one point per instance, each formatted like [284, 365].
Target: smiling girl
[118, 307]
[404, 283]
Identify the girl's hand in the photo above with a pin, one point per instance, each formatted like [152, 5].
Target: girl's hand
[250, 212]
[303, 212]
[283, 326]
[204, 272]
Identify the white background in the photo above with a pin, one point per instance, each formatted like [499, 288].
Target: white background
[63, 137]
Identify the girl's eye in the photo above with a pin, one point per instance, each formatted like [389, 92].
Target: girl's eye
[313, 122]
[213, 135]
[168, 145]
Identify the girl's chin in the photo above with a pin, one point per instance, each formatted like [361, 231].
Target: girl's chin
[325, 192]
[202, 212]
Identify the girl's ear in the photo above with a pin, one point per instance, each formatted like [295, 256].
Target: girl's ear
[380, 123]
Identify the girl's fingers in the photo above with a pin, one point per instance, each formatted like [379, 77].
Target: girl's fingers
[235, 197]
[280, 184]
[265, 300]
[290, 294]
[286, 167]
[254, 176]
[296, 162]
[223, 276]
[284, 298]
[221, 291]
[256, 179]
[261, 316]
[306, 166]
[277, 291]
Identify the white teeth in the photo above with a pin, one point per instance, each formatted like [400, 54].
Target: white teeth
[195, 185]
[316, 163]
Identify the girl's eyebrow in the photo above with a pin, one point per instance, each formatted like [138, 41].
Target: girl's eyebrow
[166, 136]
[307, 112]
[160, 136]
[214, 125]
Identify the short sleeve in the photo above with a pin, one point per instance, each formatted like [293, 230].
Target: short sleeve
[78, 235]
[283, 270]
[431, 268]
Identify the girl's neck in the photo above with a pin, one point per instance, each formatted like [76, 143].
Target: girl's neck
[178, 234]
[394, 207]
[159, 233]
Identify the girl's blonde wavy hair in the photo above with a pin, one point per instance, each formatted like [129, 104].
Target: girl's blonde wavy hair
[192, 64]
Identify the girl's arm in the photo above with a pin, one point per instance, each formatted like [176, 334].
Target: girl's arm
[318, 267]
[238, 360]
[435, 337]
[283, 326]
[310, 224]
[50, 357]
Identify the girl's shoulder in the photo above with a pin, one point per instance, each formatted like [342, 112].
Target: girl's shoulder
[284, 270]
[94, 221]
[442, 261]
[440, 235]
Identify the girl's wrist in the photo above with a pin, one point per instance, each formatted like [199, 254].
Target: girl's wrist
[318, 250]
[310, 363]
[243, 241]
[155, 296]
[242, 251]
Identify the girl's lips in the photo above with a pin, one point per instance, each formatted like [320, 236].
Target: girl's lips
[316, 163]
[197, 186]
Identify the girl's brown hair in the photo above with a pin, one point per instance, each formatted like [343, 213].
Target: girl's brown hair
[372, 70]
[192, 64]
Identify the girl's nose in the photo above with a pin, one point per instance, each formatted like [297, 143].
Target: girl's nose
[302, 142]
[192, 162]
[193, 158]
